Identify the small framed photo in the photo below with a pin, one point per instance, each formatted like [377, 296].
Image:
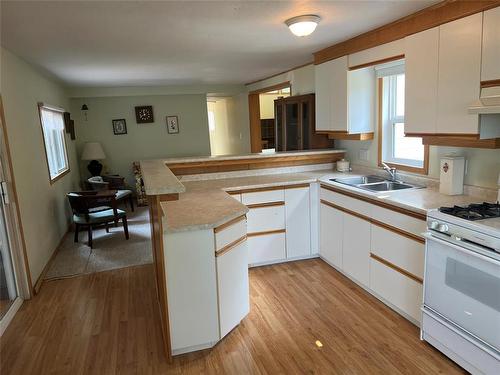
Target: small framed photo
[172, 124]
[144, 114]
[119, 126]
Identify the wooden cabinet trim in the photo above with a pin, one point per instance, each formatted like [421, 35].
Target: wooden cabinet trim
[427, 18]
[400, 210]
[296, 186]
[230, 246]
[453, 141]
[269, 188]
[264, 233]
[266, 204]
[377, 62]
[347, 211]
[397, 268]
[229, 223]
[491, 83]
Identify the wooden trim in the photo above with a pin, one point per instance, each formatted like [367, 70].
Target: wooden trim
[424, 19]
[214, 166]
[278, 86]
[457, 135]
[396, 268]
[377, 62]
[346, 210]
[41, 278]
[452, 141]
[264, 233]
[221, 227]
[399, 231]
[230, 246]
[407, 168]
[256, 190]
[278, 74]
[352, 137]
[491, 83]
[168, 197]
[389, 206]
[254, 121]
[155, 217]
[297, 186]
[60, 175]
[266, 204]
[17, 223]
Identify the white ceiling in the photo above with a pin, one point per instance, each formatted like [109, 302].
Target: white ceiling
[125, 43]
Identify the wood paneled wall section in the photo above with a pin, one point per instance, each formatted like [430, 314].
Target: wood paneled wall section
[213, 166]
[255, 131]
[427, 18]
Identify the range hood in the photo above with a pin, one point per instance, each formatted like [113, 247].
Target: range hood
[488, 103]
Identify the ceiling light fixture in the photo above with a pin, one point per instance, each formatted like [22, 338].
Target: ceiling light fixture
[303, 25]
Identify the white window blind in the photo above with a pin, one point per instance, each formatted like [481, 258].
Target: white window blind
[53, 137]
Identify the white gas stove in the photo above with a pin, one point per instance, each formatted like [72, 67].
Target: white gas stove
[461, 310]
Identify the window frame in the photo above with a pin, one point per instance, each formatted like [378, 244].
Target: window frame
[382, 135]
[67, 169]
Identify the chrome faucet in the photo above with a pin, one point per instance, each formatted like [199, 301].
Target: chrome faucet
[390, 170]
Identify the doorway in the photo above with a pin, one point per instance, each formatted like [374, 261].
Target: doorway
[262, 117]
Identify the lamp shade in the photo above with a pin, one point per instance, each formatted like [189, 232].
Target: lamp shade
[93, 151]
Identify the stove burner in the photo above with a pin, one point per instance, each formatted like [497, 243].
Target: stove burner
[474, 211]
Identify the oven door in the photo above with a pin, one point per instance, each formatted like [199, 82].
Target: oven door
[463, 286]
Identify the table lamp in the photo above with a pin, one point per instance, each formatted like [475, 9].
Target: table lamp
[93, 151]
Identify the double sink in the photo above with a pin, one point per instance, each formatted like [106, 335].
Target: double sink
[375, 183]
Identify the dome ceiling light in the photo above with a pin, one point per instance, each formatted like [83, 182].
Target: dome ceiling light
[303, 25]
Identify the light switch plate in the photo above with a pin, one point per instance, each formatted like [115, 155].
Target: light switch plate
[363, 154]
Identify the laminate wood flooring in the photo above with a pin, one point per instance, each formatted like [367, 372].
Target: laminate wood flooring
[108, 323]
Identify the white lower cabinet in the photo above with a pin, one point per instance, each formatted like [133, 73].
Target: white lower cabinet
[232, 287]
[396, 288]
[267, 218]
[298, 222]
[266, 248]
[331, 229]
[356, 248]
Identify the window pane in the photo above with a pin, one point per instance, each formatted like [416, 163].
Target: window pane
[406, 147]
[400, 95]
[53, 134]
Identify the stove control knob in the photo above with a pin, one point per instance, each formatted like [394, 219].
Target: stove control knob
[443, 228]
[433, 225]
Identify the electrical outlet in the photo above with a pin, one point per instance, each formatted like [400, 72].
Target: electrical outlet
[363, 154]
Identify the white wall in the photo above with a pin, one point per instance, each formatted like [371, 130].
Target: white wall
[45, 213]
[301, 79]
[142, 141]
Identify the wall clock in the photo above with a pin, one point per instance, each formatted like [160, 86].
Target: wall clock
[144, 114]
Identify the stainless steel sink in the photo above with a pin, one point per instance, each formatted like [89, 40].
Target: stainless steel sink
[375, 183]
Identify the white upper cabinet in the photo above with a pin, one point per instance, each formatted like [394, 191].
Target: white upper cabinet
[377, 53]
[490, 69]
[421, 86]
[344, 99]
[459, 75]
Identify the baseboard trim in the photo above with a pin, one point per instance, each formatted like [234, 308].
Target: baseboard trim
[39, 281]
[7, 318]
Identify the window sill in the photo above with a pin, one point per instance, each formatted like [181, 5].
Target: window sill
[59, 176]
[408, 168]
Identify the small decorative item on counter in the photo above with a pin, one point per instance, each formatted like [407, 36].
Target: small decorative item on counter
[451, 180]
[343, 165]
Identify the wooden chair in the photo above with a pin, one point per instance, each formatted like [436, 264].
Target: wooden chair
[95, 208]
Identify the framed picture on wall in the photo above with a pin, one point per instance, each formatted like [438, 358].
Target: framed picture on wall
[172, 124]
[119, 126]
[144, 114]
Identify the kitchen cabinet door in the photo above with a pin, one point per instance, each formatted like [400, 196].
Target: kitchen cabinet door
[232, 287]
[490, 69]
[323, 82]
[298, 222]
[356, 248]
[421, 81]
[268, 248]
[331, 233]
[459, 75]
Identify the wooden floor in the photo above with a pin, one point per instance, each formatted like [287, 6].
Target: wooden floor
[108, 323]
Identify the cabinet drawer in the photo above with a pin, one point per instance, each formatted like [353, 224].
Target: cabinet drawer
[230, 232]
[263, 219]
[266, 196]
[398, 220]
[266, 248]
[344, 201]
[401, 251]
[396, 288]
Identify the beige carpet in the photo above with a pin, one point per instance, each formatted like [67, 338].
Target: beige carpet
[110, 251]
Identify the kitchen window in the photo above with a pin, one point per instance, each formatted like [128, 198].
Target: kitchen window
[52, 121]
[405, 153]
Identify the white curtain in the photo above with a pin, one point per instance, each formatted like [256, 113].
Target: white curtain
[53, 131]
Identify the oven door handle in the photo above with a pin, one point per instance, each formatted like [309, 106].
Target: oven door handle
[464, 250]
